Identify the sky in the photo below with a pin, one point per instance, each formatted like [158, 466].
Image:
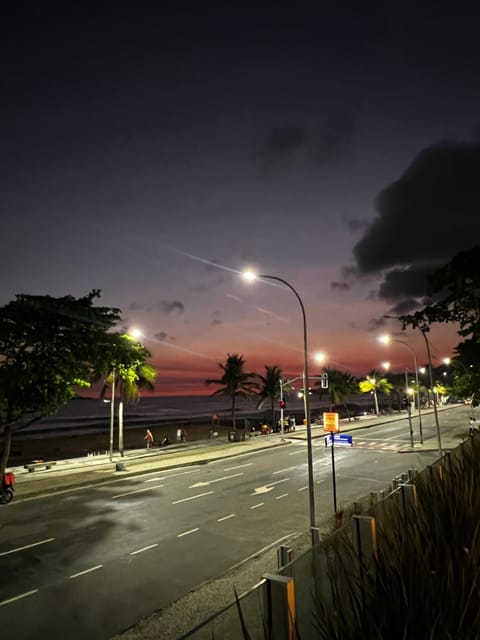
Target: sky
[155, 153]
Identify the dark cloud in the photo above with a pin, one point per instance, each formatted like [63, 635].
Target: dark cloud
[161, 336]
[410, 282]
[342, 286]
[424, 218]
[280, 148]
[355, 224]
[217, 317]
[169, 306]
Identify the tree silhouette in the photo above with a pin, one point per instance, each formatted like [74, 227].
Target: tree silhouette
[235, 382]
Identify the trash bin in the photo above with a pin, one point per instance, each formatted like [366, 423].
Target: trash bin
[231, 436]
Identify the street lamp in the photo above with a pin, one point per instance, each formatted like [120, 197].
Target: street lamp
[250, 276]
[112, 413]
[423, 331]
[386, 340]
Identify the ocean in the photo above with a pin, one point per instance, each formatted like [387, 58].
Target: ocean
[91, 414]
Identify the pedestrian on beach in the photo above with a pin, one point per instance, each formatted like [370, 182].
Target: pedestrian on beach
[179, 434]
[148, 438]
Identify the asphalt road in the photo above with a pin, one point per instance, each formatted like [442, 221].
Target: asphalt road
[92, 562]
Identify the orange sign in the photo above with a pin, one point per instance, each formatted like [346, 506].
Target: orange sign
[330, 422]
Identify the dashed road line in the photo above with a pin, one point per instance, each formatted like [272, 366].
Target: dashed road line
[255, 506]
[82, 573]
[231, 515]
[150, 546]
[199, 495]
[239, 466]
[284, 495]
[283, 470]
[187, 533]
[22, 595]
[129, 493]
[27, 546]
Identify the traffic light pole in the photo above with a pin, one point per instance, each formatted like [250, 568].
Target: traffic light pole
[281, 409]
[324, 383]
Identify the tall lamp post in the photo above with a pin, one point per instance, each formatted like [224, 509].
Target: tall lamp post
[386, 340]
[112, 414]
[250, 276]
[430, 375]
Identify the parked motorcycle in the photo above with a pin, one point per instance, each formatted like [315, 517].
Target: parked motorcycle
[7, 488]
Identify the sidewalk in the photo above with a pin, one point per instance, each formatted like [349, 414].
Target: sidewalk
[88, 471]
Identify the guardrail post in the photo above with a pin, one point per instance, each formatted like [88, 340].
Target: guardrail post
[279, 607]
[365, 544]
[409, 495]
[315, 532]
[284, 556]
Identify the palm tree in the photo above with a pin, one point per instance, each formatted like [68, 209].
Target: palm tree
[270, 388]
[131, 374]
[375, 385]
[340, 385]
[235, 382]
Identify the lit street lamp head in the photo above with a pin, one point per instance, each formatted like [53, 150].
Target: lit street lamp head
[249, 276]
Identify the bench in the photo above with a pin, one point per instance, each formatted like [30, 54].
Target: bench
[38, 465]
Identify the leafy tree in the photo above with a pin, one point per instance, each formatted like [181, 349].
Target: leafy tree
[48, 348]
[375, 385]
[235, 382]
[340, 385]
[455, 291]
[270, 389]
[131, 373]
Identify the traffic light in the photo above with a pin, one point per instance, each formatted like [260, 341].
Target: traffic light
[324, 381]
[283, 404]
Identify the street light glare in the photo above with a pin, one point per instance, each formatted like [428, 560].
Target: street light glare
[135, 333]
[320, 357]
[249, 276]
[385, 339]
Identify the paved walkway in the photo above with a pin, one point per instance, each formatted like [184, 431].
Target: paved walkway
[87, 471]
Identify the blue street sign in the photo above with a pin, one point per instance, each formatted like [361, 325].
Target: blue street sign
[341, 439]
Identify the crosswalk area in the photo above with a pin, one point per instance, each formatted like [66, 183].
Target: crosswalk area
[381, 445]
[358, 443]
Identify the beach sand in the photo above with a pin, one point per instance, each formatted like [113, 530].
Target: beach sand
[72, 445]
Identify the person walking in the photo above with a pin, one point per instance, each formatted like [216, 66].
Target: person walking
[179, 434]
[148, 438]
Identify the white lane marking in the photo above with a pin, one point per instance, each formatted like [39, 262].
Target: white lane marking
[142, 476]
[239, 466]
[22, 595]
[187, 533]
[129, 493]
[255, 506]
[207, 482]
[174, 475]
[283, 470]
[303, 488]
[362, 479]
[295, 453]
[232, 515]
[284, 495]
[153, 479]
[82, 573]
[27, 546]
[150, 546]
[267, 487]
[199, 495]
